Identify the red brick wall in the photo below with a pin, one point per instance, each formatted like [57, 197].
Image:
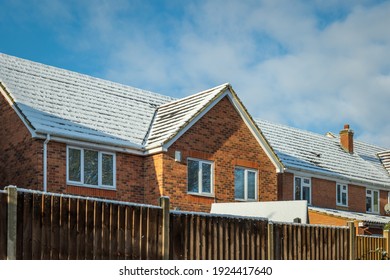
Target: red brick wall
[222, 137]
[20, 155]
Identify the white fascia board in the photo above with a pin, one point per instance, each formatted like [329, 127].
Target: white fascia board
[82, 143]
[11, 102]
[194, 120]
[338, 178]
[256, 133]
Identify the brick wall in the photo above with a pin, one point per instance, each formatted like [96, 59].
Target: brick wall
[220, 136]
[20, 155]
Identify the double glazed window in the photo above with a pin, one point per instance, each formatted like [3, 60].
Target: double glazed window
[90, 168]
[341, 195]
[302, 189]
[245, 184]
[200, 176]
[372, 201]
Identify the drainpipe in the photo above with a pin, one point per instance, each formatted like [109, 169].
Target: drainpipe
[45, 162]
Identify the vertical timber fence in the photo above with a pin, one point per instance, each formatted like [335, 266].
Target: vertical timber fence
[37, 225]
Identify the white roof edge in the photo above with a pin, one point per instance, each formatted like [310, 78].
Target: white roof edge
[327, 176]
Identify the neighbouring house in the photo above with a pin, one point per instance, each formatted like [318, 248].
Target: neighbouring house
[71, 133]
[334, 173]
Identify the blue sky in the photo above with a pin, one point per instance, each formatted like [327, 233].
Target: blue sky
[314, 65]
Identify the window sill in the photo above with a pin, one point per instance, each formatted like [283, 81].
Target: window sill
[202, 194]
[108, 188]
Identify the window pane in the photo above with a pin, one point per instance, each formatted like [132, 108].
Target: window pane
[344, 199]
[306, 194]
[251, 185]
[376, 201]
[368, 204]
[206, 177]
[239, 182]
[107, 170]
[74, 162]
[297, 188]
[338, 194]
[193, 176]
[91, 165]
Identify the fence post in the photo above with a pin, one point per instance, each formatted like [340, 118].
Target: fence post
[164, 204]
[386, 235]
[352, 240]
[270, 233]
[12, 201]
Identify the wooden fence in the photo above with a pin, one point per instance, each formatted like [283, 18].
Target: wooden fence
[51, 226]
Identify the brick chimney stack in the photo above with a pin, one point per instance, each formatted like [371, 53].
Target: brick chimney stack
[346, 138]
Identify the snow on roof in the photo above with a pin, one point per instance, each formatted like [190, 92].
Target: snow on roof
[302, 150]
[356, 216]
[275, 211]
[73, 105]
[171, 117]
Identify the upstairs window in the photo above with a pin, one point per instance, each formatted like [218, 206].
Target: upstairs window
[200, 177]
[302, 189]
[341, 195]
[372, 201]
[245, 184]
[90, 168]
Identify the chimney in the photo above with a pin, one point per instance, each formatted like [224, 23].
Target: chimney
[346, 139]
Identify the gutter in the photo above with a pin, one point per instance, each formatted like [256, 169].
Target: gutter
[45, 162]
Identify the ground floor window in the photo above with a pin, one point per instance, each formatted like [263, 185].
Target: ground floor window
[90, 167]
[302, 189]
[245, 184]
[372, 201]
[200, 176]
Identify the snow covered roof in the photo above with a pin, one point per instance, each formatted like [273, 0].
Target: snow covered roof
[355, 216]
[305, 151]
[275, 211]
[72, 105]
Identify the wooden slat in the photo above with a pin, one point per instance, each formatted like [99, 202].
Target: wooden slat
[98, 230]
[121, 232]
[72, 241]
[106, 231]
[20, 226]
[64, 230]
[46, 227]
[3, 226]
[55, 228]
[113, 231]
[36, 226]
[89, 234]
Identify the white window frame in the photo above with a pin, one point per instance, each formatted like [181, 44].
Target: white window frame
[200, 176]
[345, 192]
[100, 163]
[246, 170]
[303, 185]
[371, 195]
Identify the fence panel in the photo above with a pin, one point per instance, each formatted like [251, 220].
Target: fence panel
[3, 225]
[212, 237]
[310, 242]
[370, 247]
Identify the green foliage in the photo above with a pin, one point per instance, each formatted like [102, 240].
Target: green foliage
[387, 226]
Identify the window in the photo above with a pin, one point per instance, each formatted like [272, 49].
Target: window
[372, 201]
[200, 176]
[302, 189]
[341, 195]
[245, 184]
[90, 168]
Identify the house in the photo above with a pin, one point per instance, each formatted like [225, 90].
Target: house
[334, 173]
[70, 133]
[66, 132]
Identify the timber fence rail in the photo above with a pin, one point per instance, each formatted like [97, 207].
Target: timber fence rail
[37, 225]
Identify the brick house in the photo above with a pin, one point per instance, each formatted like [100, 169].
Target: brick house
[341, 179]
[70, 133]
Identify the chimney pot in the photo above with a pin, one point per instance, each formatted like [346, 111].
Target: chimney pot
[346, 126]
